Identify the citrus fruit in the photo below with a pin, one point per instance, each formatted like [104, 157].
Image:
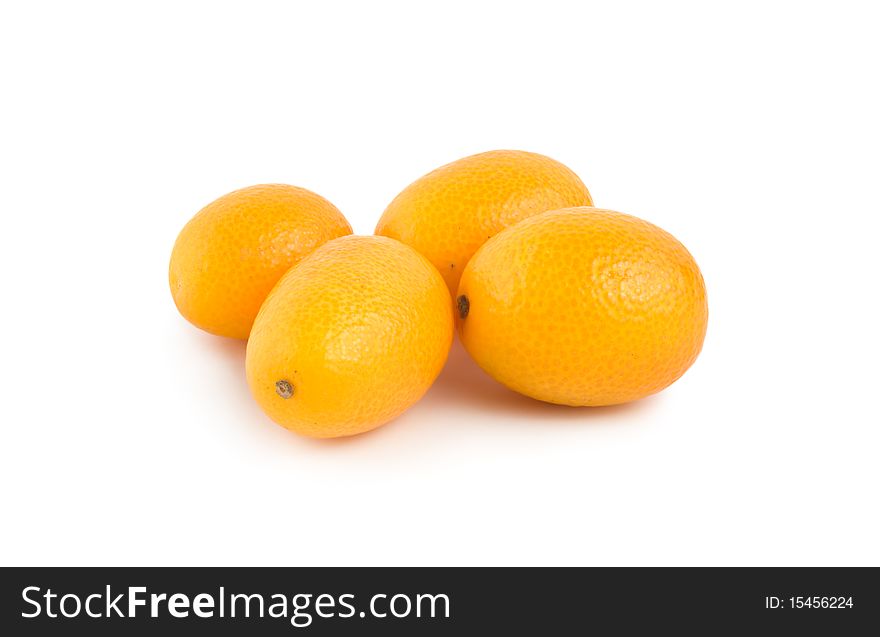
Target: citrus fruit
[228, 257]
[350, 338]
[583, 306]
[450, 212]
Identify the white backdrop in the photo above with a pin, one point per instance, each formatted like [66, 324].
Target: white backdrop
[750, 132]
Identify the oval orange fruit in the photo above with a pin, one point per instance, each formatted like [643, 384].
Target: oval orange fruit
[583, 306]
[450, 212]
[350, 338]
[227, 258]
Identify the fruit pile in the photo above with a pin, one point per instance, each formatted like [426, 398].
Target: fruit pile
[554, 298]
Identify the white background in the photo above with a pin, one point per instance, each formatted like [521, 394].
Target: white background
[750, 132]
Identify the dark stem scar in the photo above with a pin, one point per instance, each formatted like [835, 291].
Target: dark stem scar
[464, 306]
[284, 389]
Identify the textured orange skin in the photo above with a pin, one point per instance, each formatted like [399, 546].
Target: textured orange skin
[584, 306]
[360, 329]
[450, 212]
[227, 258]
